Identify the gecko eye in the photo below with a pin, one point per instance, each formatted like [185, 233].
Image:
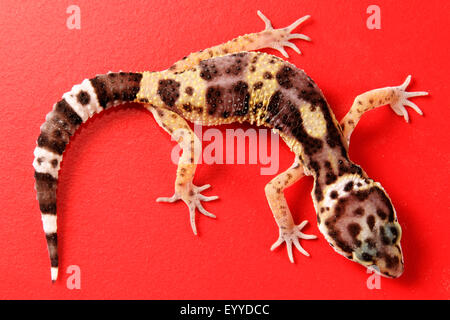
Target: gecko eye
[390, 233]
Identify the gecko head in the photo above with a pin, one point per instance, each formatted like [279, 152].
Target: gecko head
[359, 221]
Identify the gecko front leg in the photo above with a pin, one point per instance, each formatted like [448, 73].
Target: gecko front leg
[185, 190]
[396, 97]
[288, 231]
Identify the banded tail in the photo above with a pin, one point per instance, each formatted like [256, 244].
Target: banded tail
[76, 107]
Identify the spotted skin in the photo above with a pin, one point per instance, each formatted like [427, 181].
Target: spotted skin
[223, 85]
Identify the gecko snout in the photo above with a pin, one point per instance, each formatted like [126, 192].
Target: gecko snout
[381, 250]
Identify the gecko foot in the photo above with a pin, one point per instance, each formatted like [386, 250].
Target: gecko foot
[283, 35]
[191, 195]
[402, 101]
[291, 237]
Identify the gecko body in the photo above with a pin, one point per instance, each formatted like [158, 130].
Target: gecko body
[227, 84]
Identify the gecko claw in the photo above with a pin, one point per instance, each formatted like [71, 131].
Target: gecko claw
[291, 237]
[190, 194]
[402, 101]
[283, 35]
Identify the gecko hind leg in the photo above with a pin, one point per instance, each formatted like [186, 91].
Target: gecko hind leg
[185, 190]
[288, 231]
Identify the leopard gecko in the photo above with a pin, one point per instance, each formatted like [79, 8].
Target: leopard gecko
[232, 83]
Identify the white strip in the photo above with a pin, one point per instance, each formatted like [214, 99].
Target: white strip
[93, 106]
[49, 223]
[84, 111]
[46, 157]
[54, 273]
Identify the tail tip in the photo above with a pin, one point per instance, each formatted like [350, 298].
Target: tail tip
[54, 273]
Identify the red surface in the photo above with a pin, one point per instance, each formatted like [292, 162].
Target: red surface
[129, 246]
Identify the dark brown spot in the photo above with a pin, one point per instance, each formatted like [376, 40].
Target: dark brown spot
[391, 261]
[362, 195]
[354, 229]
[83, 97]
[267, 75]
[189, 91]
[359, 211]
[330, 177]
[258, 85]
[371, 221]
[381, 214]
[187, 107]
[349, 186]
[168, 90]
[334, 194]
[284, 77]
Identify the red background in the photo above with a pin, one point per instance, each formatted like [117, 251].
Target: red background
[129, 246]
